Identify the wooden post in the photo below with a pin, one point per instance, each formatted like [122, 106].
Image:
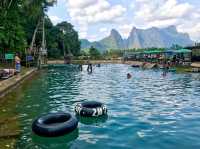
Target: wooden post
[34, 35]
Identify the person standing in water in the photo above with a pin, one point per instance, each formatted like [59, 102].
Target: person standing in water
[80, 67]
[89, 68]
[17, 63]
[129, 75]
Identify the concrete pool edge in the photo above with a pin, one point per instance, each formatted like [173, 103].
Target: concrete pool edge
[10, 84]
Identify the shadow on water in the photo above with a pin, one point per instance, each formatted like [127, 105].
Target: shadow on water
[51, 142]
[92, 120]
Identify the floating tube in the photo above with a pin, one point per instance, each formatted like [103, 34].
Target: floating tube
[54, 124]
[91, 109]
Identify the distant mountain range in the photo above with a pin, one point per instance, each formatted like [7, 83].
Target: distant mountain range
[141, 38]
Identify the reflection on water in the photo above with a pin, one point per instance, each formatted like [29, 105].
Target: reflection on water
[148, 111]
[52, 142]
[45, 143]
[92, 120]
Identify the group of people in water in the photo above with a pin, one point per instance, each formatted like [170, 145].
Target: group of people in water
[90, 69]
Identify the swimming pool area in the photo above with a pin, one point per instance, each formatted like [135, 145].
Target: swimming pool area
[148, 111]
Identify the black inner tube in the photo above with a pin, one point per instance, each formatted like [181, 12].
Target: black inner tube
[91, 104]
[54, 124]
[57, 119]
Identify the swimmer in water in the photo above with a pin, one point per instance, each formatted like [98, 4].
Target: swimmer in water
[129, 75]
[80, 67]
[89, 68]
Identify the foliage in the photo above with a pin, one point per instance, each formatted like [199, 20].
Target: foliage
[94, 53]
[18, 20]
[114, 53]
[145, 49]
[61, 39]
[176, 47]
[12, 35]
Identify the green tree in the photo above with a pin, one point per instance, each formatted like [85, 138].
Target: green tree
[70, 37]
[12, 35]
[94, 53]
[176, 47]
[62, 37]
[19, 19]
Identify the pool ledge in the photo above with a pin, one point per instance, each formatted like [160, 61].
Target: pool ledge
[8, 85]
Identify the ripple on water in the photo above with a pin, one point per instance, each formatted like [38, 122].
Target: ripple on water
[148, 111]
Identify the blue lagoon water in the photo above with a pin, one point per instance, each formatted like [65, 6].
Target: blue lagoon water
[148, 111]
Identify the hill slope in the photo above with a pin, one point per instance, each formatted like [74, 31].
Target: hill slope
[141, 38]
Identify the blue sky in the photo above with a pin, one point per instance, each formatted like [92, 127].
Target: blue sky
[94, 19]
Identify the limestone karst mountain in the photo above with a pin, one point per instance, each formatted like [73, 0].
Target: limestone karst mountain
[141, 38]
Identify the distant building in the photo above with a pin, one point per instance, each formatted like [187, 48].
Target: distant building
[195, 52]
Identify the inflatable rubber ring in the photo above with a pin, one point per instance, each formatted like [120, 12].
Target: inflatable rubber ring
[91, 109]
[54, 124]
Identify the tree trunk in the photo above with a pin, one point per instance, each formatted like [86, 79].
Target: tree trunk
[34, 36]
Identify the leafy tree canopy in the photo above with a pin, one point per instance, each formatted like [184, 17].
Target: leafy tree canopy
[18, 20]
[94, 53]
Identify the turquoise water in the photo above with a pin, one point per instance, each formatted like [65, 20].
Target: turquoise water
[148, 111]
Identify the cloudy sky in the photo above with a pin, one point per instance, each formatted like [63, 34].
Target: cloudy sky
[94, 19]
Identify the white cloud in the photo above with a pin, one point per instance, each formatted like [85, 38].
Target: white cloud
[83, 31]
[80, 3]
[161, 10]
[82, 34]
[94, 11]
[125, 29]
[162, 13]
[123, 15]
[192, 28]
[163, 23]
[93, 37]
[103, 29]
[55, 19]
[90, 12]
